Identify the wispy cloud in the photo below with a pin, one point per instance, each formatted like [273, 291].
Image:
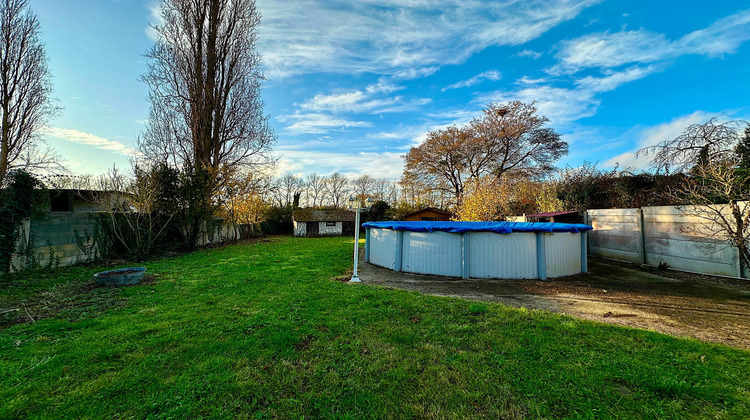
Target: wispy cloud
[323, 112]
[155, 19]
[391, 37]
[380, 165]
[609, 50]
[491, 75]
[530, 54]
[355, 101]
[612, 80]
[317, 123]
[563, 105]
[87, 139]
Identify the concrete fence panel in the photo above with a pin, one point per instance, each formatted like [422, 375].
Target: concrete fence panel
[662, 235]
[616, 234]
[66, 238]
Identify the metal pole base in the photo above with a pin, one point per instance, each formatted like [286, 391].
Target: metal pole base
[355, 279]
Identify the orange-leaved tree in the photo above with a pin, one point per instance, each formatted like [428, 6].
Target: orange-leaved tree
[508, 138]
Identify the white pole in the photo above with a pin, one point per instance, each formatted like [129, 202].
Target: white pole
[355, 277]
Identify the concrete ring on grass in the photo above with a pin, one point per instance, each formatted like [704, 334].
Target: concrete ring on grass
[501, 250]
[121, 276]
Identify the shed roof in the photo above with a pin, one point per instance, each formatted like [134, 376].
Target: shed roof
[435, 209]
[323, 215]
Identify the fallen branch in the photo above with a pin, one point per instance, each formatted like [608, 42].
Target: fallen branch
[28, 314]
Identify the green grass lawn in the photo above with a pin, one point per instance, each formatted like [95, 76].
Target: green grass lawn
[261, 330]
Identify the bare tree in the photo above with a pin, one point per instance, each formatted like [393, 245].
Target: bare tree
[416, 194]
[204, 83]
[380, 189]
[507, 138]
[712, 141]
[362, 187]
[204, 78]
[25, 91]
[337, 188]
[315, 188]
[714, 187]
[717, 194]
[288, 186]
[391, 192]
[130, 206]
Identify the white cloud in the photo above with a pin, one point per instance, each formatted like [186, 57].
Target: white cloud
[380, 165]
[530, 54]
[612, 50]
[415, 73]
[391, 36]
[317, 123]
[609, 50]
[155, 19]
[319, 114]
[479, 78]
[560, 105]
[563, 105]
[612, 80]
[407, 136]
[344, 102]
[383, 86]
[87, 139]
[722, 37]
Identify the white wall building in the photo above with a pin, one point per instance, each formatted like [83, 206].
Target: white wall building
[323, 222]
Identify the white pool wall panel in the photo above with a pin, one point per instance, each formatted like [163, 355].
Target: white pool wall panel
[563, 254]
[502, 256]
[383, 247]
[436, 253]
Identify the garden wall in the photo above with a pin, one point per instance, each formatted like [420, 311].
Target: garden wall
[54, 239]
[665, 234]
[66, 238]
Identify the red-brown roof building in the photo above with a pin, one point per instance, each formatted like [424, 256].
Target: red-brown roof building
[429, 214]
[555, 217]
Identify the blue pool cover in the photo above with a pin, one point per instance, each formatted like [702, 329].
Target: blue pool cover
[497, 227]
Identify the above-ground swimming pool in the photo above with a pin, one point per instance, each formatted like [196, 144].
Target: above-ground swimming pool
[502, 250]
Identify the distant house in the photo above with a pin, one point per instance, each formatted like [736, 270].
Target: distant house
[555, 217]
[323, 222]
[429, 214]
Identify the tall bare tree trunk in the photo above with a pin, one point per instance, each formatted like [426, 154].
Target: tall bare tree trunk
[25, 89]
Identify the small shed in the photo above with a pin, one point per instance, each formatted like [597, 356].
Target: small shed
[556, 217]
[431, 214]
[323, 222]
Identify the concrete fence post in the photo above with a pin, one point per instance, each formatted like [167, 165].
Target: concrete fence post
[640, 236]
[584, 252]
[587, 221]
[541, 255]
[740, 271]
[397, 260]
[465, 262]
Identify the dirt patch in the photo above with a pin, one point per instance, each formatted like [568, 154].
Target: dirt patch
[72, 301]
[681, 304]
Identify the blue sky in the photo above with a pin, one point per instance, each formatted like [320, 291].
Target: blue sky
[353, 84]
